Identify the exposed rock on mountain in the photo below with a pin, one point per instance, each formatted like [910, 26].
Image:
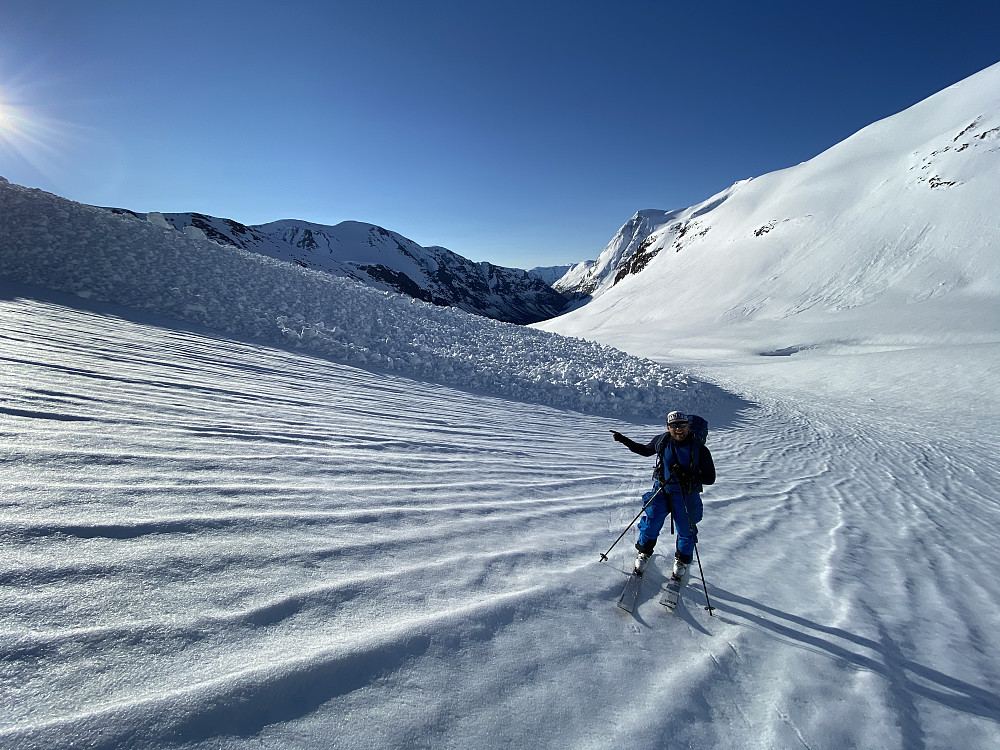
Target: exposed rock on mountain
[385, 260]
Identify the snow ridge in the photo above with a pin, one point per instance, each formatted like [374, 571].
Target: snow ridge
[585, 279]
[55, 243]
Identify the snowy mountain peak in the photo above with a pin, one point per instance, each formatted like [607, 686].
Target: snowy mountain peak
[902, 217]
[549, 274]
[385, 260]
[587, 279]
[639, 240]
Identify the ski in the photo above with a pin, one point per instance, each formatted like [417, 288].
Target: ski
[671, 593]
[630, 593]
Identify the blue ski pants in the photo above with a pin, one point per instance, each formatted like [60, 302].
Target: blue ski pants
[674, 503]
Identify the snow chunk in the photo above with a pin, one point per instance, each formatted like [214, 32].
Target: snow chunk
[115, 257]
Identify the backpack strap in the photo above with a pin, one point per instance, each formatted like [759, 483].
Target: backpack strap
[660, 473]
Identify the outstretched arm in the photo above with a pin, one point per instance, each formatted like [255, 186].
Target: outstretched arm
[642, 450]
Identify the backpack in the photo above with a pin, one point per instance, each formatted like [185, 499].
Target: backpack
[699, 426]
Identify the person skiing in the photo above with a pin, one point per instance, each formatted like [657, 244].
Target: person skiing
[683, 466]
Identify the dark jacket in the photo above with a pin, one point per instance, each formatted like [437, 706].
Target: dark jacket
[668, 452]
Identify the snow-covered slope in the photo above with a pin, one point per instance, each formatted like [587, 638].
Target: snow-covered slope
[384, 260]
[58, 244]
[210, 543]
[890, 238]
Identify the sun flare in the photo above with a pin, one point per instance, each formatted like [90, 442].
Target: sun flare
[5, 118]
[26, 134]
[15, 125]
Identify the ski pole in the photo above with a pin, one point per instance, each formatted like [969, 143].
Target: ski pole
[605, 555]
[694, 532]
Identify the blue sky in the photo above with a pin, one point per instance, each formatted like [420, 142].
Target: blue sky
[520, 133]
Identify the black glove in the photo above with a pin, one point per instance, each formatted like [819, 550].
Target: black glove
[619, 437]
[681, 472]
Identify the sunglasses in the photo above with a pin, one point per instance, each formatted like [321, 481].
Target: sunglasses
[678, 425]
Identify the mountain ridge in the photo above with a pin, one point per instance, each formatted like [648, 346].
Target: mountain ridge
[382, 259]
[903, 215]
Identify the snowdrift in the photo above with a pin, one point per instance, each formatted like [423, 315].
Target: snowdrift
[66, 246]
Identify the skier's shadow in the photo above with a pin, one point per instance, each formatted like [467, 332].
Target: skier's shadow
[908, 679]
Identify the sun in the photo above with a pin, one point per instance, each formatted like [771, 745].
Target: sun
[26, 133]
[38, 145]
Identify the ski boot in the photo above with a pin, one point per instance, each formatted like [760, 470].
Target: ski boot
[681, 564]
[640, 563]
[645, 553]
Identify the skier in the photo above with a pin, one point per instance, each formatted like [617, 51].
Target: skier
[683, 465]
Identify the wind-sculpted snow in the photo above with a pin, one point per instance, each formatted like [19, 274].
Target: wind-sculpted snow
[58, 244]
[215, 544]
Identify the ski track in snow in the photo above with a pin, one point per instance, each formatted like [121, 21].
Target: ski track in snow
[887, 533]
[216, 544]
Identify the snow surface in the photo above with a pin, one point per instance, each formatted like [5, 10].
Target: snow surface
[241, 538]
[217, 544]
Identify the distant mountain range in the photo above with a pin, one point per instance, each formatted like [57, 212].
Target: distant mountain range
[386, 260]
